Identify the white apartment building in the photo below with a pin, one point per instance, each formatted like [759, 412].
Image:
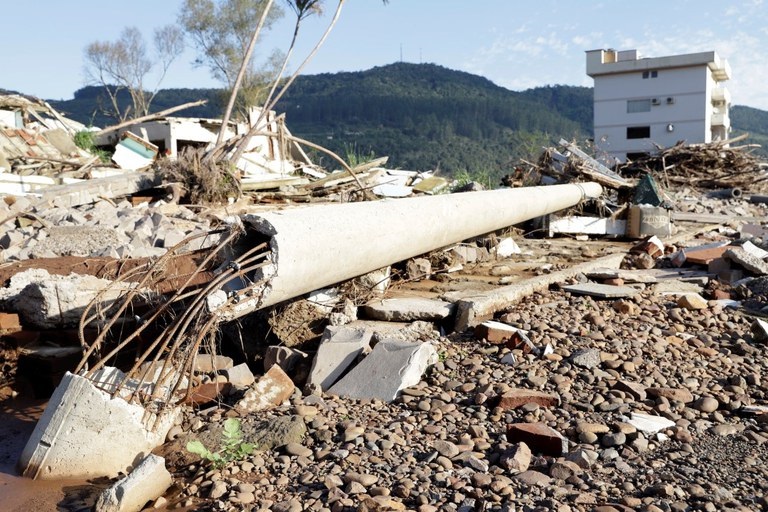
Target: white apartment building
[661, 100]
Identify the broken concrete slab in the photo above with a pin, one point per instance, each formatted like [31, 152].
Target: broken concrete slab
[393, 365]
[473, 310]
[80, 425]
[212, 363]
[339, 347]
[48, 301]
[285, 357]
[271, 390]
[239, 376]
[747, 261]
[408, 309]
[675, 287]
[602, 291]
[628, 276]
[148, 480]
[518, 397]
[539, 437]
[703, 255]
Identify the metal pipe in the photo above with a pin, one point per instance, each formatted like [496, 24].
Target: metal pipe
[317, 246]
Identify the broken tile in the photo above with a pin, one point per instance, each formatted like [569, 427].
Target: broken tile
[539, 437]
[339, 347]
[408, 309]
[392, 366]
[271, 390]
[518, 397]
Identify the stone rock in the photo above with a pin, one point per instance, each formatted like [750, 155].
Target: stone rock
[339, 347]
[518, 397]
[635, 389]
[408, 309]
[271, 390]
[297, 449]
[445, 448]
[585, 358]
[517, 458]
[706, 404]
[539, 437]
[564, 469]
[392, 366]
[692, 301]
[533, 478]
[678, 394]
[418, 268]
[148, 480]
[273, 433]
[759, 330]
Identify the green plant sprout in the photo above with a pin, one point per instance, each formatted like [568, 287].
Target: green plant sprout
[232, 445]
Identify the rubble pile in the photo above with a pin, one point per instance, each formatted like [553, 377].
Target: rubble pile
[407, 354]
[716, 165]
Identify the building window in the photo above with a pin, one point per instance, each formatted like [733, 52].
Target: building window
[651, 74]
[654, 74]
[638, 132]
[634, 106]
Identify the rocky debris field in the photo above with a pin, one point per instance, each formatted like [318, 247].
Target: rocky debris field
[447, 444]
[646, 402]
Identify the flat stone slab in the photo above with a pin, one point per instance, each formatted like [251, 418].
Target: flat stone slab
[602, 291]
[539, 437]
[628, 276]
[393, 365]
[339, 347]
[408, 309]
[675, 287]
[746, 260]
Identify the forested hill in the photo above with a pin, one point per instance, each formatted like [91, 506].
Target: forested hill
[422, 116]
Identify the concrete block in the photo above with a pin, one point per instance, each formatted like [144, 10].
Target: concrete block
[648, 423]
[271, 390]
[747, 261]
[211, 363]
[48, 301]
[81, 424]
[339, 347]
[392, 366]
[286, 358]
[603, 291]
[148, 481]
[408, 309]
[239, 375]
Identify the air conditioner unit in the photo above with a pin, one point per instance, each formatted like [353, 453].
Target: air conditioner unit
[655, 101]
[670, 100]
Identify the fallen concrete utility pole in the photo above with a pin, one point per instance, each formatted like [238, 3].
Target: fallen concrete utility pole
[317, 246]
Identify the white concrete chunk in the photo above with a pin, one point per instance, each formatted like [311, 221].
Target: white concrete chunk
[81, 424]
[393, 365]
[649, 423]
[239, 375]
[146, 482]
[339, 347]
[408, 309]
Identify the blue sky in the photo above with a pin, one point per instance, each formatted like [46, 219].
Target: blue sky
[515, 44]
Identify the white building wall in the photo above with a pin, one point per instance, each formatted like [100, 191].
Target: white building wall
[680, 97]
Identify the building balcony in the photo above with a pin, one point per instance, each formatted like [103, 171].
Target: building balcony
[720, 119]
[721, 95]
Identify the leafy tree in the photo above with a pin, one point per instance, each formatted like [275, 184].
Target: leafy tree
[124, 65]
[224, 33]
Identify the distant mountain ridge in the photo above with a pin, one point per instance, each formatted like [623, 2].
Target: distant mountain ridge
[423, 116]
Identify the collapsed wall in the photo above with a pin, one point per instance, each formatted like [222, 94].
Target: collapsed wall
[317, 246]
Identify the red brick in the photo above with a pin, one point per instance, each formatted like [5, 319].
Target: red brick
[516, 398]
[271, 390]
[9, 322]
[539, 437]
